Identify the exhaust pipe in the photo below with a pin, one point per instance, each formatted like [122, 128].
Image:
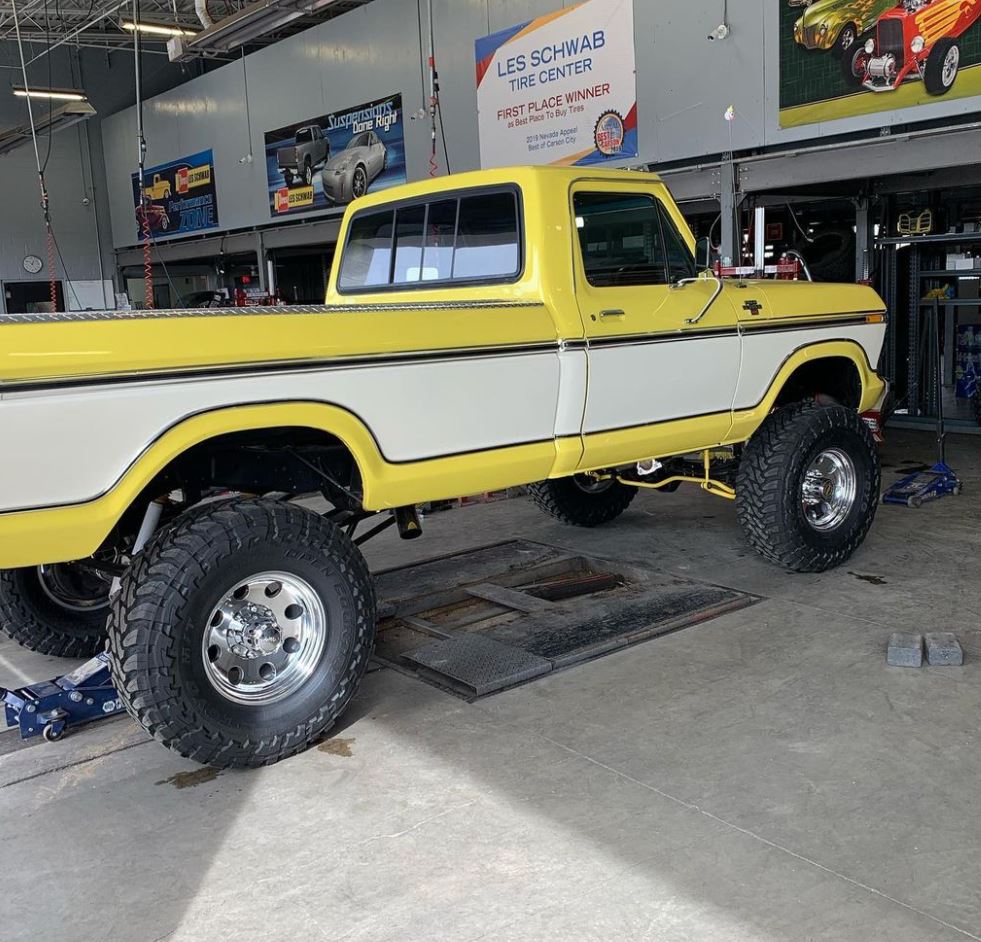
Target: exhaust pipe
[408, 522]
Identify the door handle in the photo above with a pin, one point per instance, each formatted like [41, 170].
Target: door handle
[612, 312]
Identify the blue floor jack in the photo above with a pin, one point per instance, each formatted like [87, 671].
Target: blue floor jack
[916, 489]
[49, 708]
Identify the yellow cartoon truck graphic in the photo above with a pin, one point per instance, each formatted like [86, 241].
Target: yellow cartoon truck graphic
[159, 189]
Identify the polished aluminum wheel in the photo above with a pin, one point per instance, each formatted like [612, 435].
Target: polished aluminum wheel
[829, 490]
[265, 638]
[73, 588]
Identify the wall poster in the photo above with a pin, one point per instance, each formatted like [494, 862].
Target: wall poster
[846, 58]
[559, 89]
[334, 158]
[180, 196]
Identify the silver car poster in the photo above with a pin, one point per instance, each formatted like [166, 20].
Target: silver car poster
[331, 160]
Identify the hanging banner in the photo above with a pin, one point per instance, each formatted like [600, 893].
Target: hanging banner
[559, 89]
[847, 58]
[180, 196]
[335, 158]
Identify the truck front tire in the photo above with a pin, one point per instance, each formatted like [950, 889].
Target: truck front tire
[581, 501]
[808, 486]
[241, 633]
[57, 610]
[942, 66]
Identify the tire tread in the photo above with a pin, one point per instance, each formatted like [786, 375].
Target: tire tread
[141, 641]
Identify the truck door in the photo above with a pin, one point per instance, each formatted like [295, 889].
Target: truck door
[663, 362]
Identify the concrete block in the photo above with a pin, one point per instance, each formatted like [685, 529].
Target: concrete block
[943, 649]
[905, 650]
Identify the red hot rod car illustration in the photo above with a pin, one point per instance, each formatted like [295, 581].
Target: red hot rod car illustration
[915, 39]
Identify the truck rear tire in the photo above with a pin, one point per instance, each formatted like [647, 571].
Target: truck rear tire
[241, 633]
[808, 486]
[582, 502]
[57, 610]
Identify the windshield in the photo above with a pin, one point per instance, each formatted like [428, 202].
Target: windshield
[357, 141]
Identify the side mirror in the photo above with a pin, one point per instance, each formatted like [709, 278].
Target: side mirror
[703, 253]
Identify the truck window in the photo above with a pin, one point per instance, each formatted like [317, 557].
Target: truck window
[367, 261]
[681, 263]
[303, 136]
[620, 237]
[437, 257]
[408, 244]
[449, 239]
[487, 237]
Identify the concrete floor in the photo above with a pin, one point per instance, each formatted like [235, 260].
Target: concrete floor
[763, 776]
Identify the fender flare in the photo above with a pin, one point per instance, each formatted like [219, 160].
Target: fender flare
[75, 531]
[747, 419]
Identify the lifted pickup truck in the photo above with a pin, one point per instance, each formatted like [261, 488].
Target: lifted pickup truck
[504, 327]
[310, 149]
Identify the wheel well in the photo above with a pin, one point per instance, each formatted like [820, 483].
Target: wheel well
[291, 460]
[837, 377]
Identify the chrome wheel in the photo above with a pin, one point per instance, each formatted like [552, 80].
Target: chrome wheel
[951, 62]
[74, 589]
[829, 490]
[265, 638]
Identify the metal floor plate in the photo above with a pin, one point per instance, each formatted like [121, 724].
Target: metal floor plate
[478, 665]
[484, 620]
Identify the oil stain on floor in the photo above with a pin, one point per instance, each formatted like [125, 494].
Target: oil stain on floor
[337, 747]
[873, 580]
[192, 778]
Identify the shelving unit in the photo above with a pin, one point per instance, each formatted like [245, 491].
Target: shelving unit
[908, 360]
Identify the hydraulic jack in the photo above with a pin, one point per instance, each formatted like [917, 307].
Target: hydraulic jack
[49, 708]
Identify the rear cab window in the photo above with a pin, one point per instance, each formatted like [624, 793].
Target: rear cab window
[474, 237]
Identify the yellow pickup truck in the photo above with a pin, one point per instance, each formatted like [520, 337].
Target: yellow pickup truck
[159, 189]
[522, 326]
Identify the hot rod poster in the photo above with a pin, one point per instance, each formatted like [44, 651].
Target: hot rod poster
[334, 158]
[179, 198]
[845, 58]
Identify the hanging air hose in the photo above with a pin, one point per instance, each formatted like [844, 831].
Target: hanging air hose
[52, 280]
[141, 143]
[45, 204]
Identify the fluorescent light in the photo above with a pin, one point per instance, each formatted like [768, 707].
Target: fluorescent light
[156, 29]
[61, 94]
[251, 22]
[64, 116]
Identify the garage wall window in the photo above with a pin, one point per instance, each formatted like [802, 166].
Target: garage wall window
[473, 238]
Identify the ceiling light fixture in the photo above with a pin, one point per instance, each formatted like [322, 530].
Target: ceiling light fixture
[156, 29]
[248, 24]
[61, 94]
[60, 118]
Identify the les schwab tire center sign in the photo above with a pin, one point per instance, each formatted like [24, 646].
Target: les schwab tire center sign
[559, 89]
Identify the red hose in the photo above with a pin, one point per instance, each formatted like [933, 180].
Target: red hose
[52, 279]
[147, 262]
